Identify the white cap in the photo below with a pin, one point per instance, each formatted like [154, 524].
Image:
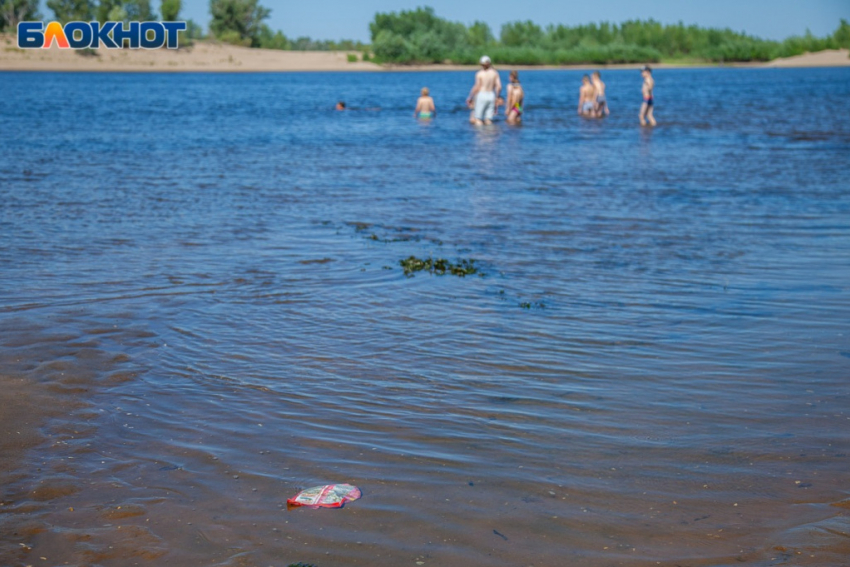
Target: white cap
[484, 60]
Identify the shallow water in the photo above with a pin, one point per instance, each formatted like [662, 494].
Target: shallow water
[652, 367]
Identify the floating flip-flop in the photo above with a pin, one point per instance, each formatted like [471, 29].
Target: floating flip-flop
[328, 496]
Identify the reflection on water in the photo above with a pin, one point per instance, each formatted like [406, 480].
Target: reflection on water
[202, 273]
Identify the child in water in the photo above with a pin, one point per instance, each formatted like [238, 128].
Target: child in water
[648, 100]
[516, 95]
[470, 104]
[425, 109]
[587, 99]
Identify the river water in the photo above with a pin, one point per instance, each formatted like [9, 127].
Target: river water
[203, 310]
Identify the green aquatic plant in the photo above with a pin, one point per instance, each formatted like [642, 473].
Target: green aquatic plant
[439, 266]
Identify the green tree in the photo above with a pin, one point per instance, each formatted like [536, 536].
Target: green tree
[238, 21]
[521, 34]
[117, 14]
[273, 40]
[421, 36]
[193, 30]
[107, 8]
[417, 35]
[480, 35]
[842, 34]
[124, 11]
[14, 11]
[71, 10]
[391, 47]
[170, 10]
[139, 10]
[405, 23]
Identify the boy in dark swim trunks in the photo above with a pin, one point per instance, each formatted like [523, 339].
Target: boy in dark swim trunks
[648, 103]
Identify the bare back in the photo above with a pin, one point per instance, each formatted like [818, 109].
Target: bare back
[487, 80]
[425, 104]
[599, 87]
[586, 93]
[515, 95]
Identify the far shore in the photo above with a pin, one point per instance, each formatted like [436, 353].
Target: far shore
[209, 56]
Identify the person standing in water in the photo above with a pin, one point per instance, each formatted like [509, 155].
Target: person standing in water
[648, 103]
[425, 109]
[587, 98]
[484, 92]
[513, 110]
[601, 107]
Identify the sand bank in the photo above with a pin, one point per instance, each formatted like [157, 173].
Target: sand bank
[202, 56]
[829, 58]
[217, 57]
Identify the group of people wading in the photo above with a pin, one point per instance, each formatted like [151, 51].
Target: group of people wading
[485, 97]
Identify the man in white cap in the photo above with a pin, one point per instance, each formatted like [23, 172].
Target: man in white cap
[484, 92]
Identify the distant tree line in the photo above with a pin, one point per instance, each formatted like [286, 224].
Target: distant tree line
[240, 22]
[420, 36]
[14, 11]
[103, 10]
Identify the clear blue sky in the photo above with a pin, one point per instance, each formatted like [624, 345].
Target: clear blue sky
[349, 19]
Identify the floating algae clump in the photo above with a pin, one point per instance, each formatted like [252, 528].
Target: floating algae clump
[438, 266]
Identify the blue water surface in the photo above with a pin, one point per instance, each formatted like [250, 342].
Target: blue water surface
[657, 332]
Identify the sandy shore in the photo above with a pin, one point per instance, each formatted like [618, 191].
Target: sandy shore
[202, 56]
[215, 57]
[829, 58]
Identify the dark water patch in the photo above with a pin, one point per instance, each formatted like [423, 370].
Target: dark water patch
[359, 226]
[317, 261]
